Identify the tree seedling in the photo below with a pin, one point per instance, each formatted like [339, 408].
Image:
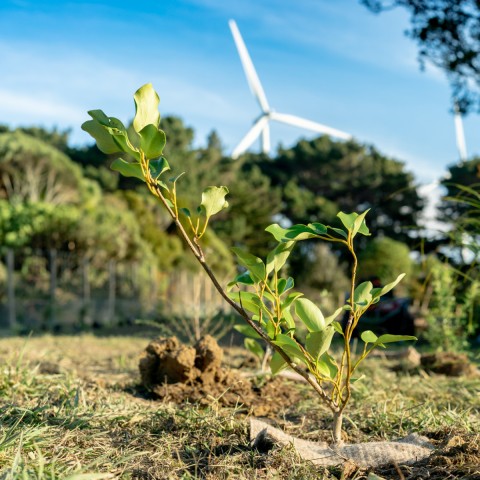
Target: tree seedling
[260, 295]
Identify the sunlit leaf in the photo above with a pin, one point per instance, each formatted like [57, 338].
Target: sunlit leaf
[127, 169]
[252, 263]
[146, 107]
[310, 315]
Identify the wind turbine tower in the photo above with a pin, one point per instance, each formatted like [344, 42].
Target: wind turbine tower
[460, 134]
[261, 125]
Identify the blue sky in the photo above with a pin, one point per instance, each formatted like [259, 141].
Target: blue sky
[328, 61]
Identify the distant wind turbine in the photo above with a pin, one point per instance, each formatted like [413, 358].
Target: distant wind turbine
[261, 125]
[460, 134]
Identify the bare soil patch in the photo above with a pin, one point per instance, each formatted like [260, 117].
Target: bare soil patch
[178, 373]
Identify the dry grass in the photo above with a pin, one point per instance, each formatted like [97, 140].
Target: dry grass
[71, 409]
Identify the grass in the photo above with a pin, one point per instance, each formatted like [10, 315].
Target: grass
[70, 408]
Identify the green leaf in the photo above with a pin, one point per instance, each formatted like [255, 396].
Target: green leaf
[318, 228]
[246, 330]
[299, 232]
[362, 294]
[157, 167]
[310, 315]
[252, 263]
[120, 136]
[176, 177]
[248, 300]
[278, 256]
[277, 231]
[368, 336]
[146, 107]
[338, 328]
[104, 140]
[387, 338]
[254, 347]
[328, 367]
[333, 316]
[291, 297]
[127, 169]
[389, 286]
[340, 232]
[186, 212]
[348, 219]
[284, 285]
[213, 200]
[100, 117]
[318, 343]
[359, 226]
[277, 363]
[152, 141]
[289, 346]
[287, 317]
[244, 278]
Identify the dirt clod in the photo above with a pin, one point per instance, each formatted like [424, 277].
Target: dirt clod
[177, 373]
[450, 364]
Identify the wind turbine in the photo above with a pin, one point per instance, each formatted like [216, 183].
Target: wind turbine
[261, 125]
[460, 134]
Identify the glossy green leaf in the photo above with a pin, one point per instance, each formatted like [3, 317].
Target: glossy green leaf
[104, 140]
[340, 232]
[277, 363]
[291, 297]
[213, 200]
[318, 228]
[310, 315]
[277, 231]
[152, 141]
[348, 219]
[362, 294]
[244, 278]
[247, 330]
[248, 300]
[299, 232]
[252, 263]
[157, 167]
[277, 258]
[329, 369]
[289, 321]
[100, 117]
[333, 316]
[186, 212]
[359, 225]
[254, 347]
[285, 284]
[318, 343]
[290, 346]
[388, 338]
[338, 328]
[146, 107]
[368, 336]
[388, 287]
[127, 169]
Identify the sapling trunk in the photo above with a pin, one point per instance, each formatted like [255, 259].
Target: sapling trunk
[337, 428]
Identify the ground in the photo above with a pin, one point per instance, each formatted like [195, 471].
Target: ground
[72, 408]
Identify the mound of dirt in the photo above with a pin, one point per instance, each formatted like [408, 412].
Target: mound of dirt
[178, 373]
[450, 364]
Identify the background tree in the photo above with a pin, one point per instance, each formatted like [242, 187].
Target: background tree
[448, 36]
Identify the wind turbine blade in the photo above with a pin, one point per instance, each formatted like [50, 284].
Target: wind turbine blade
[460, 135]
[266, 139]
[250, 137]
[252, 77]
[309, 125]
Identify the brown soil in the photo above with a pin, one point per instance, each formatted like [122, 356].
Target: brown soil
[450, 364]
[177, 373]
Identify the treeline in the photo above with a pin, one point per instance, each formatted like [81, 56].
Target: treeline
[53, 195]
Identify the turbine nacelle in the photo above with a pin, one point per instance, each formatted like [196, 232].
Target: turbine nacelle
[261, 127]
